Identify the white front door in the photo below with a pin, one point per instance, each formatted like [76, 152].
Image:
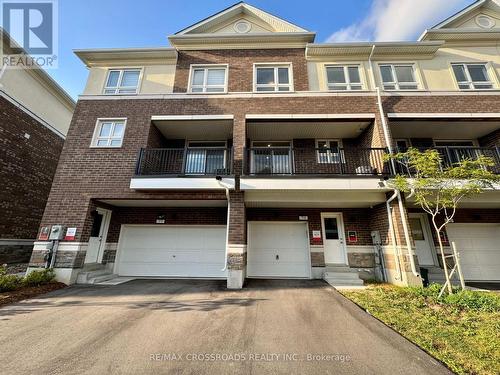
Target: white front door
[98, 234]
[333, 238]
[422, 237]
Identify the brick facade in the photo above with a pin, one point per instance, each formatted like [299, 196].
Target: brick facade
[240, 62]
[27, 167]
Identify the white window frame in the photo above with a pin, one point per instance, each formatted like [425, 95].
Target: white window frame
[275, 85]
[469, 81]
[396, 83]
[222, 147]
[97, 130]
[204, 87]
[347, 83]
[289, 148]
[329, 157]
[120, 77]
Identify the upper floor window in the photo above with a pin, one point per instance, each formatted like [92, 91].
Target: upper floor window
[328, 151]
[109, 133]
[272, 78]
[472, 76]
[398, 77]
[343, 78]
[122, 81]
[211, 79]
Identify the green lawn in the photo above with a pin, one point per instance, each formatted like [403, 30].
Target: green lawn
[462, 330]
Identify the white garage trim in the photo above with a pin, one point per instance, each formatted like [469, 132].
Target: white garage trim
[171, 269]
[478, 246]
[307, 274]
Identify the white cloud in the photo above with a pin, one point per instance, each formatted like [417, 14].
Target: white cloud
[393, 20]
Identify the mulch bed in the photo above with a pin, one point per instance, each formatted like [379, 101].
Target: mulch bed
[28, 292]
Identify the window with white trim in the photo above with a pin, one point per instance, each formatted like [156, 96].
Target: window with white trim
[398, 77]
[208, 79]
[328, 151]
[343, 77]
[472, 76]
[109, 133]
[270, 78]
[122, 81]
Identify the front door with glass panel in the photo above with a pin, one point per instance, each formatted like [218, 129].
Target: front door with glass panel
[333, 238]
[98, 234]
[420, 232]
[206, 158]
[271, 158]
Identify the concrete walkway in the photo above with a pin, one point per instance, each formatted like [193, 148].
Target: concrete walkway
[198, 327]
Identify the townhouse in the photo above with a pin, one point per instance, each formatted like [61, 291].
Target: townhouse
[248, 150]
[35, 113]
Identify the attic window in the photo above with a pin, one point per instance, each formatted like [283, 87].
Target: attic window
[485, 22]
[242, 27]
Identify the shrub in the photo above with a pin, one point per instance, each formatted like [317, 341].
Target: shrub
[9, 282]
[39, 277]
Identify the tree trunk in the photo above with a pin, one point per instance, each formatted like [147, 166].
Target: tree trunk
[441, 249]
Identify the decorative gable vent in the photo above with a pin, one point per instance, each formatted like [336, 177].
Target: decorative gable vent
[485, 21]
[242, 27]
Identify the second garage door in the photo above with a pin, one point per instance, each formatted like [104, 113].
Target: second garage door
[479, 248]
[278, 250]
[172, 251]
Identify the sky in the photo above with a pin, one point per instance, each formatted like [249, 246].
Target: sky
[147, 23]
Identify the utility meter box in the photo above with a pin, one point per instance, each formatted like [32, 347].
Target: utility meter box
[376, 237]
[56, 232]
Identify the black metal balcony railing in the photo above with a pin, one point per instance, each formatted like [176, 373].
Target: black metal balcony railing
[452, 155]
[188, 161]
[315, 161]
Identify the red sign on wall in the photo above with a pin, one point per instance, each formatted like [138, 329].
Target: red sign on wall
[352, 236]
[44, 234]
[70, 234]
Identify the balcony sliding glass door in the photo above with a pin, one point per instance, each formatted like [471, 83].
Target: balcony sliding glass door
[205, 158]
[271, 158]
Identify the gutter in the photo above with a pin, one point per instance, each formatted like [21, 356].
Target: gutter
[385, 129]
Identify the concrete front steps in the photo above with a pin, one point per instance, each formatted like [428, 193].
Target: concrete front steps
[340, 276]
[94, 274]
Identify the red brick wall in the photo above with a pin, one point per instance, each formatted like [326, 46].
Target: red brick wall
[490, 140]
[355, 219]
[240, 75]
[173, 216]
[27, 167]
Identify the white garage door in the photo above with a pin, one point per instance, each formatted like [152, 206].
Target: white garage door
[172, 251]
[479, 248]
[278, 250]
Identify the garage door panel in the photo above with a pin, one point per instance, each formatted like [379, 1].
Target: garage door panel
[278, 250]
[479, 249]
[172, 251]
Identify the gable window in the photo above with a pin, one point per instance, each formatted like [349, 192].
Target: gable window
[472, 76]
[109, 133]
[122, 81]
[269, 78]
[328, 151]
[398, 77]
[343, 78]
[208, 79]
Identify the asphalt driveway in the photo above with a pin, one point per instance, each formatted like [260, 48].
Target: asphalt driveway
[198, 327]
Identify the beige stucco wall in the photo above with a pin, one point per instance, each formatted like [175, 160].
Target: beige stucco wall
[432, 74]
[35, 95]
[155, 79]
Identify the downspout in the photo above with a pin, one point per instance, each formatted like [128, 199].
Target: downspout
[393, 234]
[219, 180]
[385, 129]
[2, 72]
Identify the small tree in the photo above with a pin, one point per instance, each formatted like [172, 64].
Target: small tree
[439, 189]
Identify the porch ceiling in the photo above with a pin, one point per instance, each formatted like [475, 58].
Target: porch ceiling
[313, 198]
[443, 129]
[488, 199]
[207, 130]
[164, 203]
[285, 130]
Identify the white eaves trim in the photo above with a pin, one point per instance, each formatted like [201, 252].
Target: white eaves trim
[191, 117]
[200, 183]
[366, 184]
[444, 115]
[311, 116]
[459, 14]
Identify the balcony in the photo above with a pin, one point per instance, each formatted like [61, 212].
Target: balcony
[184, 162]
[452, 155]
[291, 161]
